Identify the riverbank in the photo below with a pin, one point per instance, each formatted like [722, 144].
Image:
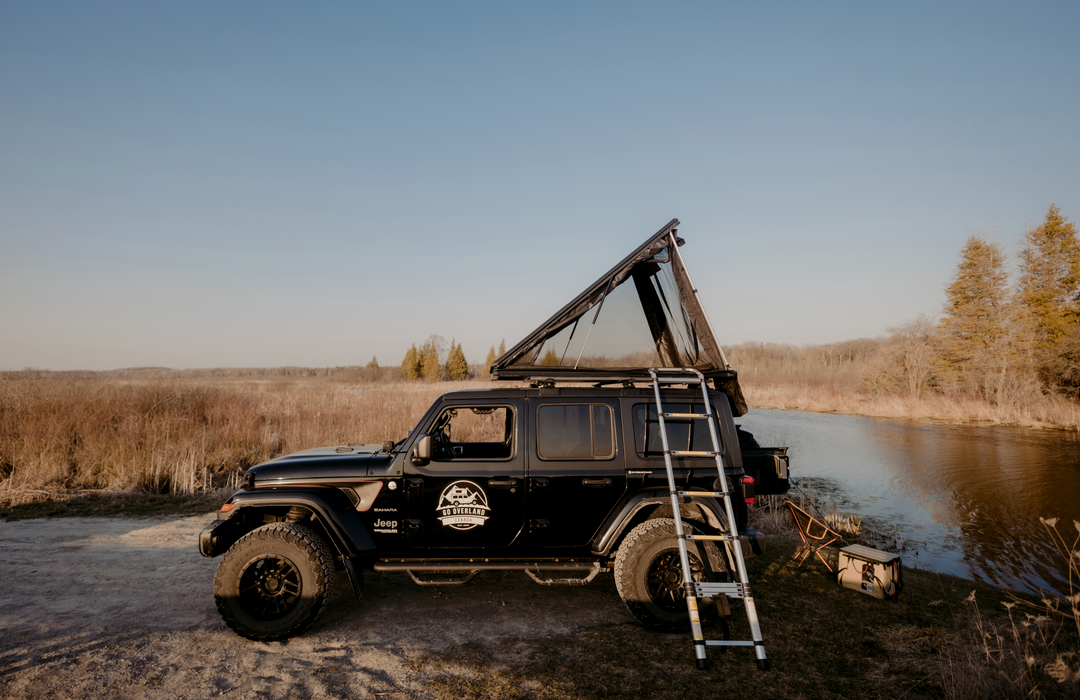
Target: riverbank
[1051, 412]
[142, 623]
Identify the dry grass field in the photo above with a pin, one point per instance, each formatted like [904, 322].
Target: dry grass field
[65, 434]
[181, 433]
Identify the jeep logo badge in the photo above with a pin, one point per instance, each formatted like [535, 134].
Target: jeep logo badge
[463, 505]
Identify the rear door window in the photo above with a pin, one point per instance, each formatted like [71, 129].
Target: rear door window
[574, 431]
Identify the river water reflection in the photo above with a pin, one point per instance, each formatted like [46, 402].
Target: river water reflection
[967, 499]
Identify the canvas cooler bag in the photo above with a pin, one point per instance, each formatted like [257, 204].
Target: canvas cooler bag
[871, 571]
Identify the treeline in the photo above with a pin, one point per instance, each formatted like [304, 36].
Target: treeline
[1002, 339]
[425, 362]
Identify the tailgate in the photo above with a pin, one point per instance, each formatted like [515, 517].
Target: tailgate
[769, 467]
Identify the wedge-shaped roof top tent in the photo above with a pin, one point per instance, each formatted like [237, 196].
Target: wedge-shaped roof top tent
[643, 313]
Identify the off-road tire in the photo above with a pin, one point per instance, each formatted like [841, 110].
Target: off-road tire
[274, 581]
[648, 574]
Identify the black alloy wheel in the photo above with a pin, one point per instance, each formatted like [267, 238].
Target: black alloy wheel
[664, 579]
[269, 587]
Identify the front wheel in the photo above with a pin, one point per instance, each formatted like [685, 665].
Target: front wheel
[274, 581]
[649, 576]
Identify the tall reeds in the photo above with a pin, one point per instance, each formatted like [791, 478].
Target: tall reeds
[176, 434]
[1036, 654]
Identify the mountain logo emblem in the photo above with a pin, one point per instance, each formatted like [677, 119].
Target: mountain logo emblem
[463, 505]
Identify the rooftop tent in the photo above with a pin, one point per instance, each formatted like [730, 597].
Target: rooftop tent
[643, 313]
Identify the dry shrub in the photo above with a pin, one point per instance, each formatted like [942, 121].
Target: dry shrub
[1035, 653]
[168, 433]
[770, 515]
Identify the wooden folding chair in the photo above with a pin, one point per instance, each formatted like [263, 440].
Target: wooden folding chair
[815, 535]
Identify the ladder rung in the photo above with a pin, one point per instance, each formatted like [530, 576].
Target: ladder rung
[712, 538]
[686, 415]
[729, 643]
[692, 453]
[713, 494]
[708, 590]
[678, 380]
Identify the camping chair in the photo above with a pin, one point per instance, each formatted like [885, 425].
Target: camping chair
[815, 535]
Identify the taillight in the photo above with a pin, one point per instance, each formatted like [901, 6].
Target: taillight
[749, 490]
[227, 507]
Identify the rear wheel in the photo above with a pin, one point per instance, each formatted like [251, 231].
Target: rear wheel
[274, 581]
[649, 576]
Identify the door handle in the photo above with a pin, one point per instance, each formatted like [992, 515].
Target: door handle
[502, 483]
[596, 482]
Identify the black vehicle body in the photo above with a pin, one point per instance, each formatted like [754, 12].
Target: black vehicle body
[379, 508]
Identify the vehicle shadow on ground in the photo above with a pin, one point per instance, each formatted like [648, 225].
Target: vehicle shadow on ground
[491, 606]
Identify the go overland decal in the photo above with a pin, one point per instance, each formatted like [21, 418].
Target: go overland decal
[463, 505]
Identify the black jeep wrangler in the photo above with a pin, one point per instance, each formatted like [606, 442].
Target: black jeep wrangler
[561, 482]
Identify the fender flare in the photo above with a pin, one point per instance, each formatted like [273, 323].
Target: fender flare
[333, 511]
[619, 523]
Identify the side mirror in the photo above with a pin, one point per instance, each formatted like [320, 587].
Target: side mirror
[422, 451]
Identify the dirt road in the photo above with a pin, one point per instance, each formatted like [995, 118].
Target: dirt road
[124, 608]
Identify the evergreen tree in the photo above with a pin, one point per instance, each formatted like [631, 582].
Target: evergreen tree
[550, 359]
[491, 357]
[457, 367]
[430, 367]
[1048, 300]
[374, 364]
[410, 366]
[502, 347]
[976, 310]
[1049, 289]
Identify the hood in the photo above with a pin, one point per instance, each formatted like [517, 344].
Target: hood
[323, 462]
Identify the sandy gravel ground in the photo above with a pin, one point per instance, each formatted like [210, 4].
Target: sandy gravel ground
[123, 608]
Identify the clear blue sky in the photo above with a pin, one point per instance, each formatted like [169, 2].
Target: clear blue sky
[263, 184]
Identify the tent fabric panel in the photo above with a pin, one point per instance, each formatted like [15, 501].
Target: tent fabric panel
[587, 299]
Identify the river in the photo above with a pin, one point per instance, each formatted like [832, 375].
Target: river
[965, 499]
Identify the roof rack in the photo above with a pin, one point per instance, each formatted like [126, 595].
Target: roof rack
[554, 378]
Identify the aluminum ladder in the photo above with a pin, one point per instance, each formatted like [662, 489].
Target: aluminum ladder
[694, 590]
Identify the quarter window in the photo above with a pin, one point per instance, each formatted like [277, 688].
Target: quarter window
[575, 431]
